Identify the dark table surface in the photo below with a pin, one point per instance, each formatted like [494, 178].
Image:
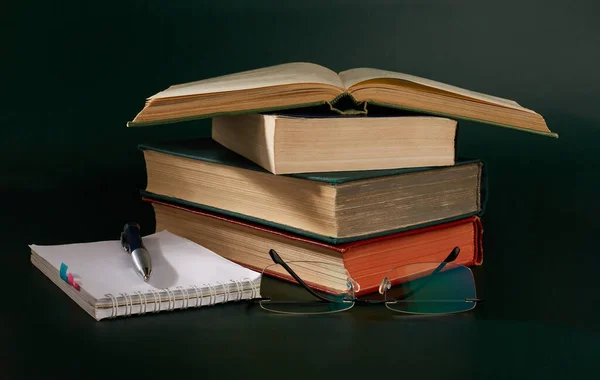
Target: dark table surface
[46, 331]
[539, 320]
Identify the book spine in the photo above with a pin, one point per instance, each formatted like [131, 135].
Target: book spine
[345, 104]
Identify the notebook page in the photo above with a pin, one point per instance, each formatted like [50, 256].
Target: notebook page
[104, 267]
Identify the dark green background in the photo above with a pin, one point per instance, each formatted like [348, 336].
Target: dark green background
[74, 74]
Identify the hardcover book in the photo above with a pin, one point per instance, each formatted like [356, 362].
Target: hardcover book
[301, 84]
[367, 261]
[334, 207]
[286, 144]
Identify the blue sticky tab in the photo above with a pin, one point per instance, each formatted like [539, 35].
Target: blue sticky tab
[63, 272]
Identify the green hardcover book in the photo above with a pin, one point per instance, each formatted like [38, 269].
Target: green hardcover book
[333, 207]
[300, 85]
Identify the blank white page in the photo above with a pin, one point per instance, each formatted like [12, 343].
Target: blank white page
[104, 267]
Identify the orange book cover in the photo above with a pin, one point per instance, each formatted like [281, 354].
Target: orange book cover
[367, 261]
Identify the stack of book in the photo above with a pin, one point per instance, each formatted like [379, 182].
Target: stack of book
[357, 169]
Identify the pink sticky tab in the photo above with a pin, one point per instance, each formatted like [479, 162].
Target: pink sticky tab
[72, 282]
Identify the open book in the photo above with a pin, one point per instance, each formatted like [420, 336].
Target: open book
[300, 84]
[184, 274]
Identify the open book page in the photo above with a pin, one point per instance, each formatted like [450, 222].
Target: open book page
[355, 76]
[104, 267]
[288, 73]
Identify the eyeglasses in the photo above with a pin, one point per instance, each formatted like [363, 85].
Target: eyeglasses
[418, 288]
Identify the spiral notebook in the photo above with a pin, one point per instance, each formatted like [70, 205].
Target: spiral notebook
[102, 281]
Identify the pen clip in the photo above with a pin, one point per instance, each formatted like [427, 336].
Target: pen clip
[124, 243]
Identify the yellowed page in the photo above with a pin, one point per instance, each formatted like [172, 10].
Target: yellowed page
[288, 73]
[354, 76]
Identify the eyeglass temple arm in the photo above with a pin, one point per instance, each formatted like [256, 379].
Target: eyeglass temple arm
[278, 260]
[450, 258]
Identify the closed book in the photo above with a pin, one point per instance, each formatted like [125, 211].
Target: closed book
[296, 85]
[333, 207]
[287, 144]
[367, 261]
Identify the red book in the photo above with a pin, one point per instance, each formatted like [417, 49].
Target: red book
[367, 261]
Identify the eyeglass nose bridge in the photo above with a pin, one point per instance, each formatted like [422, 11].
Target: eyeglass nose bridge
[385, 285]
[352, 284]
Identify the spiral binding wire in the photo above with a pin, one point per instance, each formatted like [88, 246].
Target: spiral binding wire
[239, 293]
[199, 295]
[226, 292]
[194, 293]
[253, 285]
[185, 297]
[128, 303]
[113, 310]
[157, 302]
[213, 293]
[169, 294]
[145, 303]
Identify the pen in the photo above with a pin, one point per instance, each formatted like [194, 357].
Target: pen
[131, 240]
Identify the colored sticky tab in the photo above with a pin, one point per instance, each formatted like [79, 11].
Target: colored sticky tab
[68, 278]
[72, 281]
[63, 272]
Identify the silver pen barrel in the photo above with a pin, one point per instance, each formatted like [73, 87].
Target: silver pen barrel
[142, 262]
